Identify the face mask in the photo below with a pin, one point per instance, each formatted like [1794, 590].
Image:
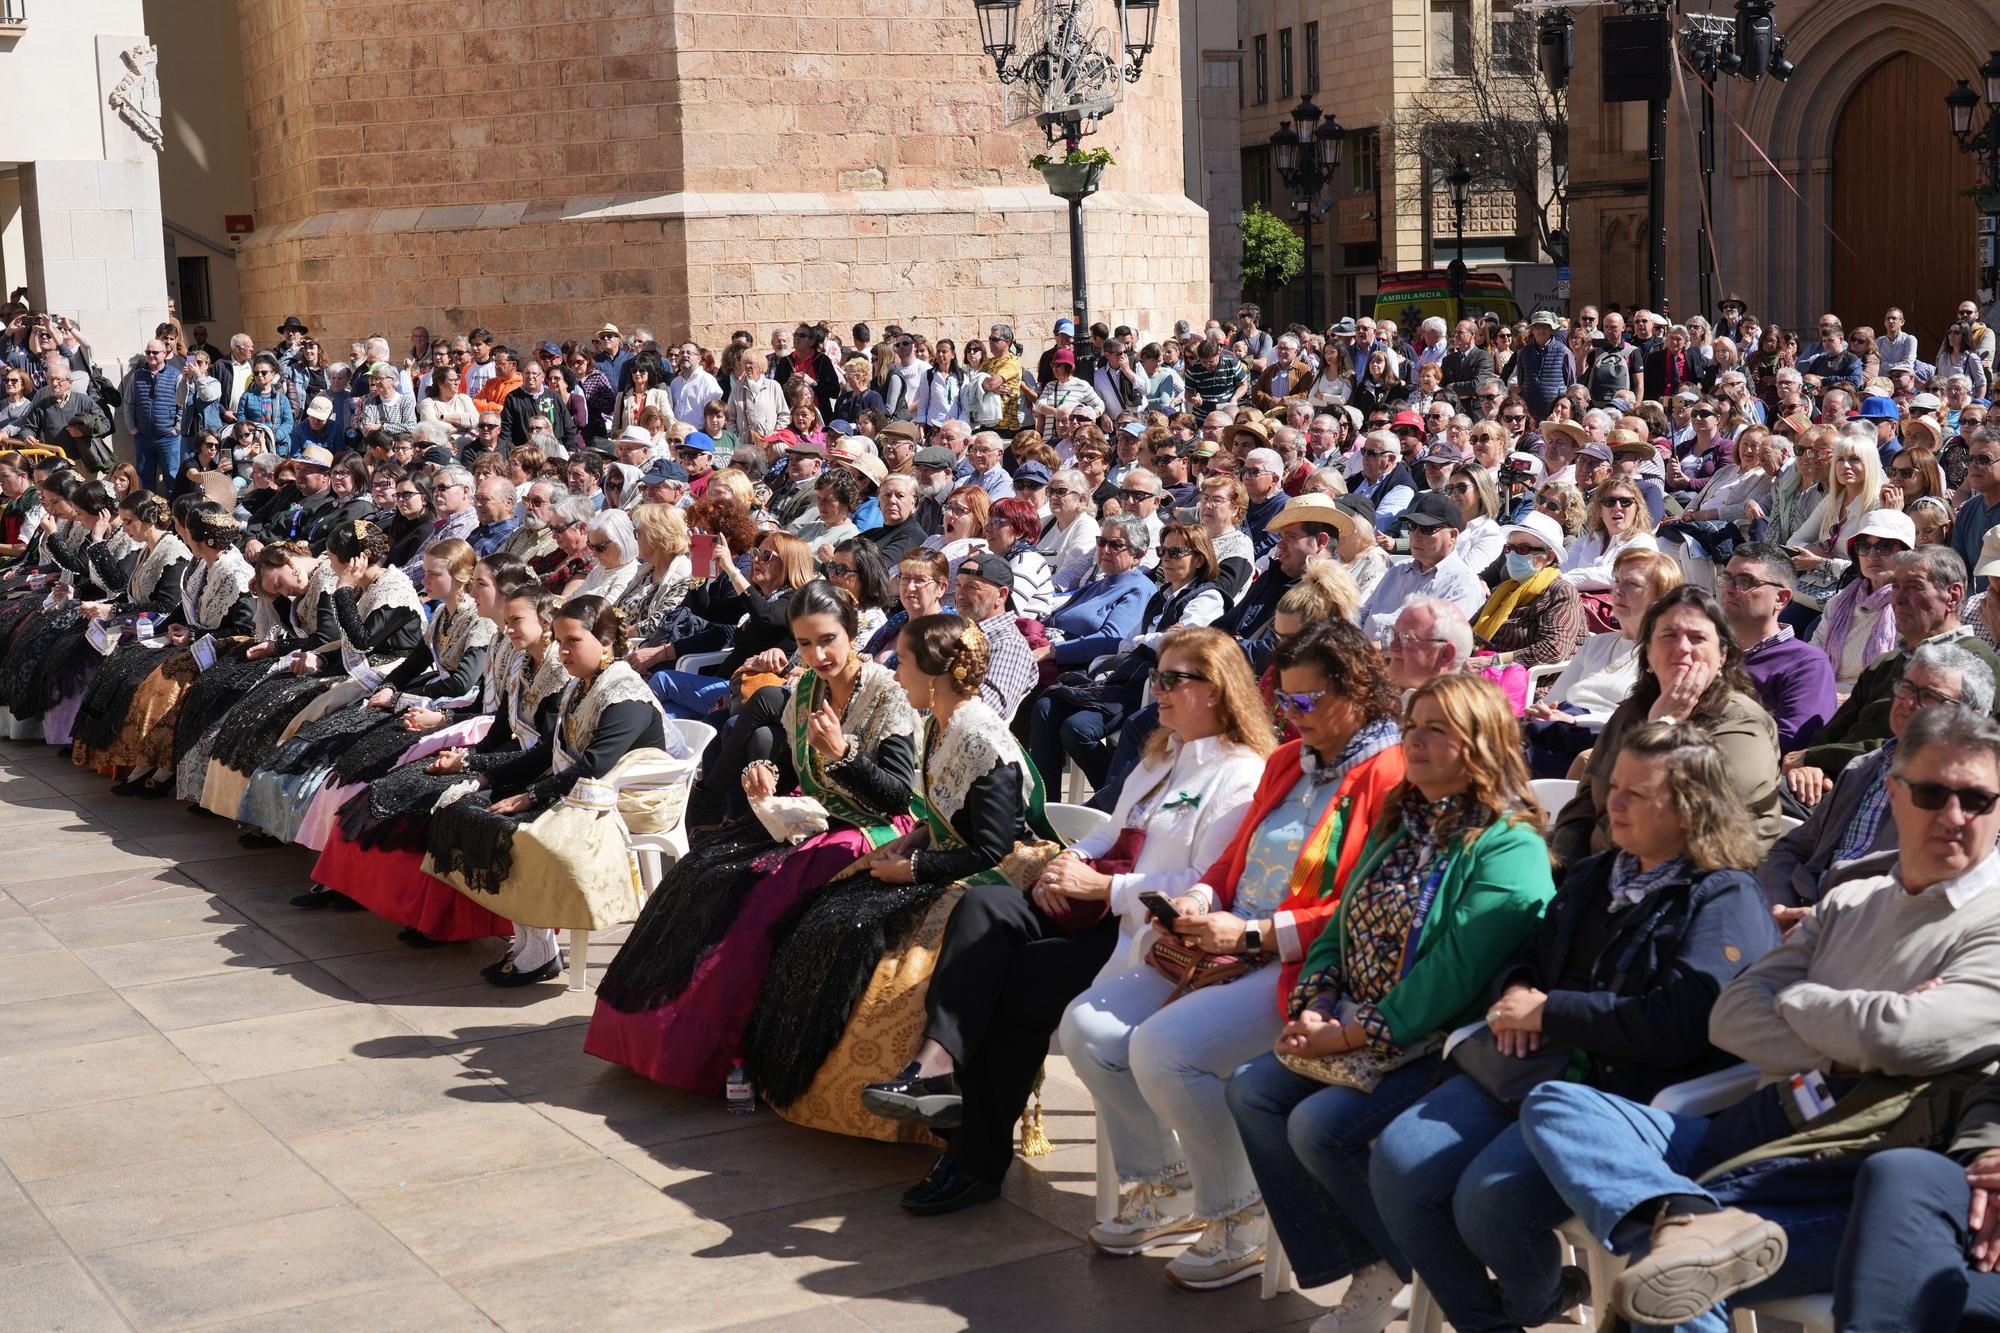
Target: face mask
[1520, 568]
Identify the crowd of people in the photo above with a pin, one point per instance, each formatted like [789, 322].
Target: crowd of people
[1313, 617]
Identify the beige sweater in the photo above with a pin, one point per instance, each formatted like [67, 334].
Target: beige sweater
[1833, 996]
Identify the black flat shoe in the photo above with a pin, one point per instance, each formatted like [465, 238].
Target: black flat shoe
[319, 896]
[507, 976]
[257, 839]
[156, 791]
[129, 787]
[416, 939]
[947, 1189]
[935, 1100]
[197, 811]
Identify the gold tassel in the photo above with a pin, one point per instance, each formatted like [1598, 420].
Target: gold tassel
[1034, 1141]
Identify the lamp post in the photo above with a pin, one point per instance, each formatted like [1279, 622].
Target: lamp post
[1459, 177]
[1308, 153]
[1983, 144]
[1071, 70]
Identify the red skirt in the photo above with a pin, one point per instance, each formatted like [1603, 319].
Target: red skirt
[393, 885]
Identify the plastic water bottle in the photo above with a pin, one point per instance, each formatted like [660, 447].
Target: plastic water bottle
[737, 1091]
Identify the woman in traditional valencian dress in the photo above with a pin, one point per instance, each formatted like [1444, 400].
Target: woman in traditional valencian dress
[675, 1002]
[131, 712]
[97, 567]
[532, 840]
[843, 1003]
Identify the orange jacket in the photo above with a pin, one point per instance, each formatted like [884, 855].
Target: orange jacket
[1362, 797]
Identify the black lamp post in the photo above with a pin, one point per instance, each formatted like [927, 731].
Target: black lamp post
[1459, 178]
[1308, 153]
[1984, 144]
[1074, 78]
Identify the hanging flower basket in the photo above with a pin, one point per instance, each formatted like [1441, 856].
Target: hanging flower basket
[1986, 200]
[1072, 180]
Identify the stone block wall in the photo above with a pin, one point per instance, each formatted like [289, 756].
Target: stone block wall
[696, 165]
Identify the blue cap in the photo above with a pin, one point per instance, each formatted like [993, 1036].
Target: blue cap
[664, 470]
[1066, 325]
[698, 441]
[1878, 408]
[1031, 473]
[550, 348]
[840, 427]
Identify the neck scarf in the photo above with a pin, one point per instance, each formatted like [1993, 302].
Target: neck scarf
[1510, 597]
[1840, 615]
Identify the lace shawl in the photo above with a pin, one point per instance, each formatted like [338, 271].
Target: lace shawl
[648, 602]
[576, 722]
[879, 709]
[499, 670]
[169, 550]
[211, 590]
[452, 630]
[974, 744]
[392, 588]
[526, 691]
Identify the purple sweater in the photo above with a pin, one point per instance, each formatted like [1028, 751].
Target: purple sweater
[1795, 681]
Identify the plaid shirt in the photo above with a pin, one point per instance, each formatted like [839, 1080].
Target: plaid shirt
[1860, 834]
[1011, 670]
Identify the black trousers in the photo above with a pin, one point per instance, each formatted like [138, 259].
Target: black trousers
[1004, 976]
[1902, 1266]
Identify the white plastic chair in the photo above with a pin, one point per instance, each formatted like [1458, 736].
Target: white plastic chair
[656, 851]
[1554, 793]
[1786, 824]
[1538, 675]
[1074, 822]
[645, 848]
[696, 663]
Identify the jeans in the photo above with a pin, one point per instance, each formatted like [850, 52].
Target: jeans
[1610, 1159]
[1903, 1265]
[1131, 740]
[1059, 730]
[1156, 1072]
[1308, 1144]
[1461, 1194]
[687, 695]
[158, 460]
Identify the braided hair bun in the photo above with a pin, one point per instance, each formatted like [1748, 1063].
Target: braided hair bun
[605, 622]
[359, 540]
[950, 646]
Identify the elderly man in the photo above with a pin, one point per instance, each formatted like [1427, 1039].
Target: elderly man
[983, 592]
[1383, 480]
[1467, 364]
[982, 453]
[1433, 569]
[902, 530]
[664, 482]
[1284, 377]
[1263, 477]
[1106, 611]
[1429, 638]
[57, 405]
[305, 519]
[152, 409]
[804, 461]
[1849, 823]
[385, 409]
[1886, 986]
[533, 540]
[493, 502]
[451, 501]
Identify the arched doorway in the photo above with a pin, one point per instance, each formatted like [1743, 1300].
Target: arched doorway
[1899, 203]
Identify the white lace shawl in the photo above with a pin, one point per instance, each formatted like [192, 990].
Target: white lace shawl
[210, 590]
[879, 709]
[974, 743]
[576, 722]
[168, 551]
[455, 629]
[525, 692]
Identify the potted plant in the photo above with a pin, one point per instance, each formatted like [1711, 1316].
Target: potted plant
[1075, 174]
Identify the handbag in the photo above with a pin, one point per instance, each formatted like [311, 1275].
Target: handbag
[1080, 914]
[1361, 1070]
[1508, 1079]
[1191, 970]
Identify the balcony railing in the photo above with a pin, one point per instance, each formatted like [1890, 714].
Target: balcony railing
[13, 17]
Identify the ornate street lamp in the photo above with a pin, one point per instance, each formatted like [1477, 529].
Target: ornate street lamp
[1308, 157]
[1459, 178]
[1962, 103]
[1070, 68]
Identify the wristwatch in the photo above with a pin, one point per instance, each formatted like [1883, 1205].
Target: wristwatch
[1253, 938]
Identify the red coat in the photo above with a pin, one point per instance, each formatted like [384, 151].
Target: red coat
[1316, 887]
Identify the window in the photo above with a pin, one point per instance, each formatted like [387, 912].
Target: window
[1362, 148]
[1260, 66]
[1513, 38]
[1451, 37]
[1312, 59]
[1285, 64]
[194, 301]
[1256, 168]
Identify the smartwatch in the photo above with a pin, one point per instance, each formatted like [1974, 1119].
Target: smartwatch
[1253, 938]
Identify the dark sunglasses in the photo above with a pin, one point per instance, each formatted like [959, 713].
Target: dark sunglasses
[838, 571]
[1379, 453]
[560, 528]
[1537, 549]
[1549, 504]
[1112, 544]
[1703, 415]
[1875, 546]
[1618, 502]
[1136, 496]
[1514, 419]
[1176, 552]
[1165, 682]
[1302, 704]
[1933, 795]
[1903, 473]
[1459, 488]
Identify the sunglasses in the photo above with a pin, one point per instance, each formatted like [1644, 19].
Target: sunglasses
[1459, 488]
[1933, 795]
[1513, 549]
[1112, 544]
[1875, 546]
[838, 571]
[1056, 492]
[1903, 473]
[761, 555]
[1379, 453]
[1136, 496]
[1165, 682]
[1549, 504]
[1302, 704]
[1176, 552]
[560, 528]
[1515, 420]
[409, 495]
[1618, 502]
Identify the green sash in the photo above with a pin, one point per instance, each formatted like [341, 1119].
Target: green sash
[811, 768]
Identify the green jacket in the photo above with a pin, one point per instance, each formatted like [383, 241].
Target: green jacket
[1489, 903]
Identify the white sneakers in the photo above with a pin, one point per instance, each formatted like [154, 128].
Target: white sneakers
[1368, 1306]
[1229, 1250]
[1148, 1214]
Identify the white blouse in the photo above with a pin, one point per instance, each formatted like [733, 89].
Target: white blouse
[1598, 678]
[1479, 543]
[1588, 564]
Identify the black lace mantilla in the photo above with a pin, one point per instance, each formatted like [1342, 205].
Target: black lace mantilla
[219, 689]
[469, 840]
[31, 648]
[251, 729]
[105, 703]
[373, 755]
[393, 813]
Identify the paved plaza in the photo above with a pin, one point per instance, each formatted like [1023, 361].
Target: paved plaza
[219, 1111]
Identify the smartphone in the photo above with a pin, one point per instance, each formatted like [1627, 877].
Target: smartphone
[1162, 910]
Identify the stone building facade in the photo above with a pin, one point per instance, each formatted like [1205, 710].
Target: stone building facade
[699, 165]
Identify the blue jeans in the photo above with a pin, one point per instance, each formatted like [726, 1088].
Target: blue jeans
[1131, 740]
[1610, 1159]
[685, 694]
[1460, 1193]
[157, 460]
[1903, 1265]
[1308, 1144]
[1059, 730]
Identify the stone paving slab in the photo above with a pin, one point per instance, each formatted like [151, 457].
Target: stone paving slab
[221, 1112]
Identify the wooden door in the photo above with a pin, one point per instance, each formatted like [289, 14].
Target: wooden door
[1899, 204]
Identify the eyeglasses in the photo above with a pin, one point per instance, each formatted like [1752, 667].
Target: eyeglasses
[559, 528]
[1703, 415]
[1903, 473]
[1380, 453]
[1549, 504]
[1302, 704]
[1165, 682]
[1982, 460]
[959, 510]
[1396, 639]
[1745, 582]
[762, 555]
[1618, 502]
[1875, 546]
[1056, 492]
[1459, 488]
[1514, 419]
[600, 547]
[1112, 544]
[1933, 795]
[409, 495]
[1922, 695]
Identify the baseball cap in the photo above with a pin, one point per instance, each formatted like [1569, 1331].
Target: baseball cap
[663, 470]
[320, 408]
[1595, 451]
[1878, 408]
[1066, 325]
[993, 568]
[699, 441]
[1407, 419]
[936, 456]
[438, 456]
[1064, 357]
[1133, 428]
[1432, 510]
[549, 349]
[903, 430]
[840, 426]
[1354, 513]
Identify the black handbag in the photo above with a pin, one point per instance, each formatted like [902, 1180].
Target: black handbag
[1508, 1079]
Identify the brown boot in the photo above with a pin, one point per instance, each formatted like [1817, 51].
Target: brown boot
[1697, 1262]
